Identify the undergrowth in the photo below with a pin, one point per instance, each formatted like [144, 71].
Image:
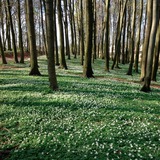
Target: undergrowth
[106, 117]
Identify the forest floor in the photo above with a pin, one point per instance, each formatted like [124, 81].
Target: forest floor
[103, 118]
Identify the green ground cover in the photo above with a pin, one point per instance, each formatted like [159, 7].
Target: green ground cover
[102, 118]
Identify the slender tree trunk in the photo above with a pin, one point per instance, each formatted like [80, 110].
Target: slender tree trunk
[20, 32]
[32, 38]
[81, 33]
[50, 48]
[12, 31]
[152, 38]
[124, 39]
[75, 34]
[95, 32]
[156, 54]
[2, 25]
[146, 41]
[87, 69]
[43, 31]
[118, 36]
[66, 30]
[107, 48]
[55, 34]
[132, 39]
[138, 37]
[62, 54]
[71, 25]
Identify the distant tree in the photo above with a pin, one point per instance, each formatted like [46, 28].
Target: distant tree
[62, 54]
[71, 16]
[32, 38]
[107, 48]
[132, 39]
[42, 25]
[137, 46]
[119, 33]
[152, 38]
[87, 69]
[20, 32]
[95, 30]
[66, 29]
[55, 34]
[50, 46]
[12, 31]
[81, 32]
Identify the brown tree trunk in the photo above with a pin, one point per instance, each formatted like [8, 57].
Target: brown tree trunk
[2, 52]
[152, 38]
[50, 48]
[118, 36]
[138, 37]
[156, 55]
[107, 48]
[32, 38]
[62, 54]
[66, 30]
[15, 55]
[81, 33]
[132, 39]
[20, 32]
[87, 69]
[146, 41]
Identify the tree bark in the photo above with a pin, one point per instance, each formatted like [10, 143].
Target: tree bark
[62, 54]
[32, 39]
[87, 69]
[50, 48]
[138, 37]
[20, 32]
[15, 55]
[152, 38]
[118, 36]
[146, 41]
[156, 54]
[107, 48]
[2, 52]
[132, 39]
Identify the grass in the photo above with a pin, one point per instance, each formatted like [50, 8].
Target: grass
[106, 118]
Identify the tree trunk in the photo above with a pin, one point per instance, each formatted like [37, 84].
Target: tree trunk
[2, 25]
[55, 34]
[62, 54]
[2, 52]
[118, 36]
[32, 38]
[124, 39]
[87, 69]
[146, 41]
[20, 32]
[50, 48]
[81, 33]
[138, 37]
[95, 32]
[156, 54]
[107, 48]
[152, 38]
[43, 31]
[132, 39]
[15, 55]
[66, 30]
